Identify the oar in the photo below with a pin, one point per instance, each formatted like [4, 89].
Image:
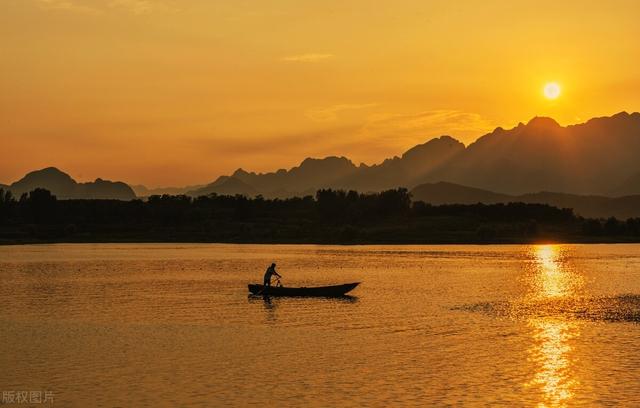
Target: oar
[278, 283]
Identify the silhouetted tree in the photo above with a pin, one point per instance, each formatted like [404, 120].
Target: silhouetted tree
[612, 226]
[592, 227]
[394, 202]
[41, 206]
[330, 216]
[633, 226]
[7, 205]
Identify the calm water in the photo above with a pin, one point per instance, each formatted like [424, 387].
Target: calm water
[172, 325]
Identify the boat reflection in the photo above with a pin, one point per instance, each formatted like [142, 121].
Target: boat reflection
[271, 304]
[336, 299]
[551, 353]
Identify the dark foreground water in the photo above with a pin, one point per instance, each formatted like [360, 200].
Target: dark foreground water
[171, 325]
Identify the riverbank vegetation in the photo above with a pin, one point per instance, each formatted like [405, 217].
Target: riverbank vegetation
[331, 217]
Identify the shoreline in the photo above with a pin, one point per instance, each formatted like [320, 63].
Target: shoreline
[541, 241]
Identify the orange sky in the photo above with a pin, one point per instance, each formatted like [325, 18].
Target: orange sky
[174, 92]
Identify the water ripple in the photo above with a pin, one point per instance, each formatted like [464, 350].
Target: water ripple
[621, 308]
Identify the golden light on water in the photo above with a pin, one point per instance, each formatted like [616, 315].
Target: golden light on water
[552, 278]
[553, 358]
[551, 352]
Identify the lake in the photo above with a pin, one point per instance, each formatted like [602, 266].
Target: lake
[171, 325]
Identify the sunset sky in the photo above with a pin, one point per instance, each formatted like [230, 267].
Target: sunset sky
[175, 92]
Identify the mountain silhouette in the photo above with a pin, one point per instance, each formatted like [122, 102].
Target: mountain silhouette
[64, 187]
[339, 172]
[225, 185]
[629, 186]
[408, 170]
[311, 175]
[586, 206]
[589, 158]
[142, 191]
[598, 157]
[450, 193]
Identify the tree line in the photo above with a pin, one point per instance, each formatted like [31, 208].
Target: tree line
[331, 216]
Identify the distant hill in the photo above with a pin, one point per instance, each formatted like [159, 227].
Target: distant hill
[64, 187]
[143, 191]
[629, 186]
[589, 158]
[405, 171]
[309, 176]
[450, 193]
[225, 185]
[339, 172]
[598, 157]
[587, 206]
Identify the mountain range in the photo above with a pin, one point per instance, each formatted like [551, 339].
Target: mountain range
[585, 164]
[597, 157]
[584, 205]
[143, 191]
[64, 187]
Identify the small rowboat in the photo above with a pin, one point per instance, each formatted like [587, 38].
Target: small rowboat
[317, 291]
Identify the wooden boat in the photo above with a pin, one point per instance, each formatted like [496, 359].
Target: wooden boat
[317, 291]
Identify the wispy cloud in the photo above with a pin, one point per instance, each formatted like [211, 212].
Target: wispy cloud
[383, 134]
[311, 57]
[287, 145]
[135, 6]
[67, 5]
[370, 139]
[331, 112]
[102, 6]
[429, 123]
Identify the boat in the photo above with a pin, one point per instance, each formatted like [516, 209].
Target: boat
[315, 291]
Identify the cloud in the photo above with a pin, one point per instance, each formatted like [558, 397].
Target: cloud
[68, 5]
[137, 7]
[134, 6]
[370, 139]
[429, 123]
[145, 6]
[331, 113]
[271, 151]
[312, 57]
[381, 135]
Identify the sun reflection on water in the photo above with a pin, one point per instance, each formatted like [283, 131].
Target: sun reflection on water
[551, 352]
[551, 355]
[551, 276]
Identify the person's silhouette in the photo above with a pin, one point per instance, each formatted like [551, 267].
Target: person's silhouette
[267, 276]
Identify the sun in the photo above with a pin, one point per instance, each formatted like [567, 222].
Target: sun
[551, 90]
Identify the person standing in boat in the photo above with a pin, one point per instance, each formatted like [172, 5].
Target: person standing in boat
[268, 274]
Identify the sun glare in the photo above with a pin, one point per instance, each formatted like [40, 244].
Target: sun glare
[551, 90]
